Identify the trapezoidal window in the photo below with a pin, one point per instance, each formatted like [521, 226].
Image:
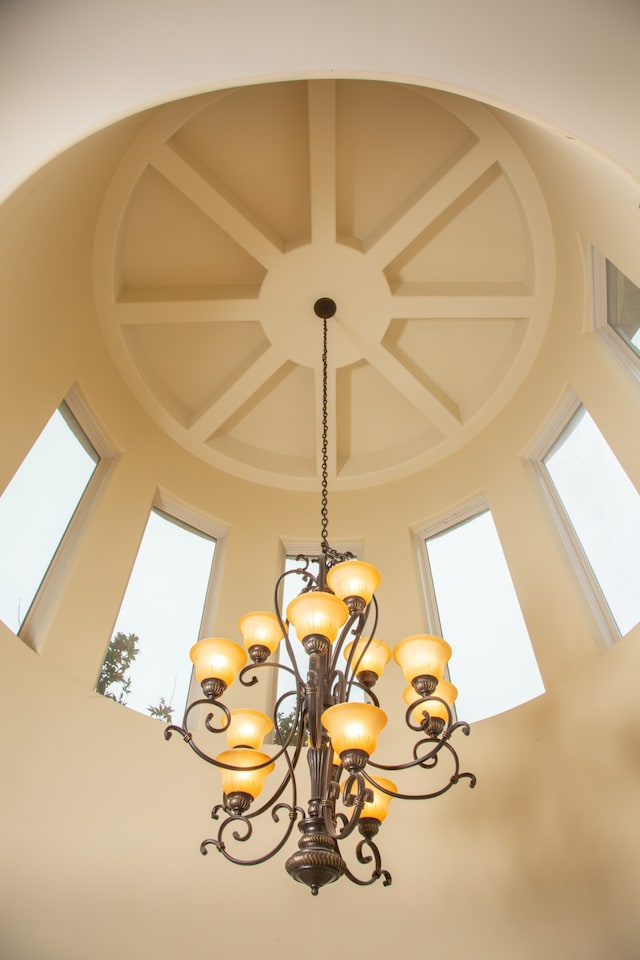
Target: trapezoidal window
[616, 310]
[598, 510]
[472, 603]
[38, 511]
[147, 666]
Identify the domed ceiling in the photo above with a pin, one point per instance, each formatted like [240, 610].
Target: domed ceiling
[233, 212]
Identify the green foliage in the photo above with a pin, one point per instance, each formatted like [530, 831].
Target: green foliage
[163, 711]
[114, 681]
[286, 722]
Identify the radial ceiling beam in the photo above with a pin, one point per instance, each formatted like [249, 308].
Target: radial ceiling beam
[210, 419]
[227, 212]
[427, 202]
[436, 307]
[432, 402]
[322, 158]
[142, 312]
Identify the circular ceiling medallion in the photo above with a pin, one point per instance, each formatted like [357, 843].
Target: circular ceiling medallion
[232, 213]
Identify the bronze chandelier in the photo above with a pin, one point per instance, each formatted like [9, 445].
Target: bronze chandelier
[335, 613]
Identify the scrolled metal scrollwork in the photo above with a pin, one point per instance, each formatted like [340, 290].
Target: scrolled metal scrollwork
[378, 873]
[293, 812]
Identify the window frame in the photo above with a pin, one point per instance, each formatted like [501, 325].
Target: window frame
[551, 433]
[37, 622]
[184, 514]
[600, 314]
[457, 516]
[422, 533]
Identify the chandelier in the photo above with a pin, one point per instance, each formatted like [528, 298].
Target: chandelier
[335, 718]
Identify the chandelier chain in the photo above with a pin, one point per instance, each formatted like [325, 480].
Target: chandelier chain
[324, 540]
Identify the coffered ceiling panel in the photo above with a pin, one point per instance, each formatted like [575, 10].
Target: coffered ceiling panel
[233, 212]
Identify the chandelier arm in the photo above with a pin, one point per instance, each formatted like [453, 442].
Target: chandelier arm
[284, 625]
[429, 760]
[184, 731]
[258, 666]
[348, 628]
[357, 801]
[354, 671]
[377, 874]
[220, 845]
[367, 691]
[455, 777]
[289, 777]
[419, 727]
[187, 736]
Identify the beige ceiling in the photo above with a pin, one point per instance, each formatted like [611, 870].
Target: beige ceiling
[231, 213]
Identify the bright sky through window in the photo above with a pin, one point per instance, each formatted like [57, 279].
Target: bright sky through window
[623, 307]
[163, 606]
[36, 508]
[493, 665]
[603, 507]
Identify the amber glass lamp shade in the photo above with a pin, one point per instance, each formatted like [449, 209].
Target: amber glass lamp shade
[244, 779]
[353, 578]
[379, 806]
[422, 655]
[217, 659]
[354, 726]
[374, 659]
[248, 728]
[445, 690]
[317, 613]
[260, 629]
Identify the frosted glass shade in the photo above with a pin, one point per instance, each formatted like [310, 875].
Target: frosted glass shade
[217, 659]
[422, 655]
[244, 780]
[248, 728]
[445, 690]
[354, 726]
[260, 629]
[377, 654]
[353, 578]
[317, 613]
[379, 807]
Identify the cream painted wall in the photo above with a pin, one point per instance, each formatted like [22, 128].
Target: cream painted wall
[101, 818]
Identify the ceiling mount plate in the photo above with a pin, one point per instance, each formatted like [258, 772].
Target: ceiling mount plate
[324, 308]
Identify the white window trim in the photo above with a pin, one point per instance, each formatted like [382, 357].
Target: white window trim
[182, 512]
[586, 577]
[422, 533]
[599, 315]
[34, 629]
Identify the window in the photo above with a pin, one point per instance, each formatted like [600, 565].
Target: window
[147, 664]
[36, 512]
[600, 510]
[616, 310]
[472, 603]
